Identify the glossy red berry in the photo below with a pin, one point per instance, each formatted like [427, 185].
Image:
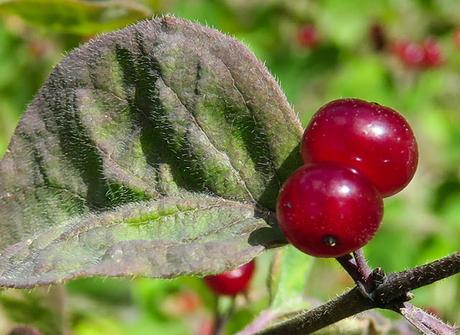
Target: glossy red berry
[410, 54]
[327, 210]
[370, 138]
[307, 36]
[232, 282]
[432, 53]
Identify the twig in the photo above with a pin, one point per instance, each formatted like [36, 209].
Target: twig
[358, 269]
[361, 263]
[397, 284]
[221, 319]
[368, 281]
[349, 264]
[352, 302]
[346, 305]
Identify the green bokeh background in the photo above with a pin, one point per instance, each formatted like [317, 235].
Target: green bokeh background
[421, 223]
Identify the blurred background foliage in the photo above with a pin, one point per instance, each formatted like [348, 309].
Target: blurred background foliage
[319, 50]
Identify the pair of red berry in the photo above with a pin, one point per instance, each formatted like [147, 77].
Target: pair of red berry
[428, 54]
[355, 153]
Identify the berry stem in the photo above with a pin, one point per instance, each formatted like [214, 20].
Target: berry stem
[349, 264]
[361, 264]
[221, 319]
[362, 274]
[358, 269]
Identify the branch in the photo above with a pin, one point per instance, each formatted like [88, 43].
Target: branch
[397, 284]
[346, 305]
[352, 302]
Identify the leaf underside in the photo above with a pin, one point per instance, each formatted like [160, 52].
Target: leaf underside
[156, 150]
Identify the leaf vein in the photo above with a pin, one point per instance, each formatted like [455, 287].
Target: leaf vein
[223, 153]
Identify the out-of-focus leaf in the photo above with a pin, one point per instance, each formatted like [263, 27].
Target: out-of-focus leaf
[292, 276]
[288, 275]
[40, 309]
[364, 78]
[76, 16]
[111, 291]
[157, 150]
[342, 23]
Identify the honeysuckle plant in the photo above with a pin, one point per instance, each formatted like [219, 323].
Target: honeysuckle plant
[159, 150]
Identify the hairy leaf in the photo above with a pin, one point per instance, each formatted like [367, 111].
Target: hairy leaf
[156, 150]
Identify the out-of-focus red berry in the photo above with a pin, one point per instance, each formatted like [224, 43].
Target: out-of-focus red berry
[409, 53]
[184, 303]
[206, 327]
[432, 53]
[232, 282]
[307, 36]
[378, 37]
[457, 38]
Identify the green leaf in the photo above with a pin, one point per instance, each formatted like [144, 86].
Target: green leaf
[76, 16]
[288, 275]
[291, 279]
[41, 309]
[160, 238]
[290, 271]
[158, 150]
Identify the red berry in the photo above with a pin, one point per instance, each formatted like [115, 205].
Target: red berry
[378, 37]
[409, 53]
[432, 54]
[457, 38]
[232, 282]
[307, 36]
[327, 210]
[370, 138]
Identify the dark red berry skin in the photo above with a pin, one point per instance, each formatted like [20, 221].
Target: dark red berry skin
[307, 36]
[370, 138]
[327, 210]
[432, 53]
[232, 282]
